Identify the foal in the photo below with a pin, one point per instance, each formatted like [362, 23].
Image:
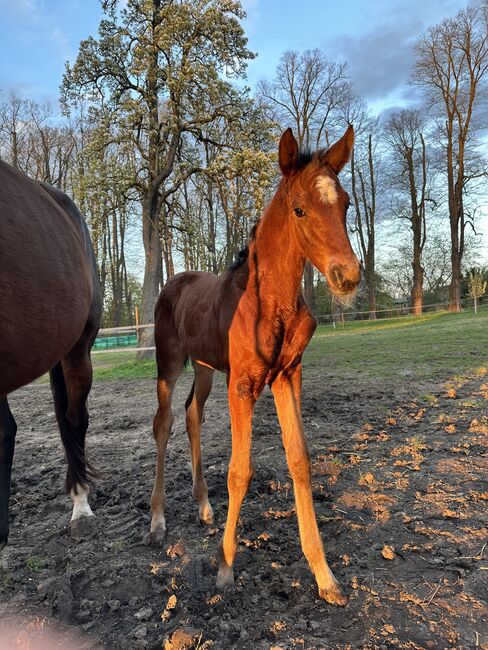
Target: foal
[253, 324]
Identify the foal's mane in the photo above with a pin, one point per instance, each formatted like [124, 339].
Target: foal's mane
[304, 158]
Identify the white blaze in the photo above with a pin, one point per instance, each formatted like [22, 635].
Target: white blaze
[81, 507]
[327, 189]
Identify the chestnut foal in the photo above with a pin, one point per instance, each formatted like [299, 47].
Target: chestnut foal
[253, 324]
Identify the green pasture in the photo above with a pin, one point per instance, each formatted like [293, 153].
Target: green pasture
[431, 348]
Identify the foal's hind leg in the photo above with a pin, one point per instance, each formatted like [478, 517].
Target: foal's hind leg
[71, 380]
[194, 416]
[8, 429]
[170, 360]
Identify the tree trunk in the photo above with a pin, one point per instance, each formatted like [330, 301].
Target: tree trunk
[455, 286]
[308, 287]
[417, 287]
[152, 274]
[371, 296]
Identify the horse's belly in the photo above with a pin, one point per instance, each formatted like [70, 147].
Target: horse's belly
[45, 296]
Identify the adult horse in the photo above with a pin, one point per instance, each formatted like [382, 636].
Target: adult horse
[253, 324]
[50, 309]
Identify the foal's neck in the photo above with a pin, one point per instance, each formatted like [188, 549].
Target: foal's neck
[276, 259]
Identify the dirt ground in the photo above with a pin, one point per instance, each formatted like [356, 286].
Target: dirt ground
[399, 477]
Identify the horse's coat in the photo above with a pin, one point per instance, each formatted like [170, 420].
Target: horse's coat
[253, 324]
[50, 309]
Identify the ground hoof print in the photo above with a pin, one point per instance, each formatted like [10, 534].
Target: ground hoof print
[83, 527]
[333, 596]
[157, 537]
[225, 577]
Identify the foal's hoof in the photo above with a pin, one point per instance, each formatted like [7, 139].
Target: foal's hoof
[206, 515]
[333, 596]
[83, 527]
[225, 577]
[157, 537]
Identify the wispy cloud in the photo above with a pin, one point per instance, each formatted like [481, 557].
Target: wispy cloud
[381, 56]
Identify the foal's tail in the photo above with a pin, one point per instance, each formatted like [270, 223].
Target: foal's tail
[72, 433]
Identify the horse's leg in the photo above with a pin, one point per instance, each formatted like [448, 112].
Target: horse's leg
[8, 429]
[71, 380]
[286, 391]
[194, 417]
[170, 360]
[241, 406]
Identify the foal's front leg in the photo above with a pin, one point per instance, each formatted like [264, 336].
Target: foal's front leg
[286, 391]
[240, 473]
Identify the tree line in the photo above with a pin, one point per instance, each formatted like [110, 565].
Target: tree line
[160, 140]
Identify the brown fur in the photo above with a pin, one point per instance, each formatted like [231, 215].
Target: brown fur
[50, 308]
[253, 324]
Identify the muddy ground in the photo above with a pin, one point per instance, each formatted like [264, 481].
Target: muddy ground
[399, 476]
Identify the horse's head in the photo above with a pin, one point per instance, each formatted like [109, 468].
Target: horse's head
[317, 205]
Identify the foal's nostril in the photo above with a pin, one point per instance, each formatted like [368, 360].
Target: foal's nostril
[337, 276]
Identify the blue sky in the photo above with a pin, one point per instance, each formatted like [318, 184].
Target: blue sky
[374, 36]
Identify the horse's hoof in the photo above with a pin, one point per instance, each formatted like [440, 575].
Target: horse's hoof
[157, 537]
[225, 577]
[333, 596]
[206, 515]
[3, 543]
[83, 527]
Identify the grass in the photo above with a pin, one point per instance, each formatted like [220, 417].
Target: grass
[430, 348]
[36, 563]
[111, 366]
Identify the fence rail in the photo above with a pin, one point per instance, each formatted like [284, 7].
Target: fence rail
[124, 339]
[399, 311]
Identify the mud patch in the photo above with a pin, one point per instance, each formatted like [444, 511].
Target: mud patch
[386, 474]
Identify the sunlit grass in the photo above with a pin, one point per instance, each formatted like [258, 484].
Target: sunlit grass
[432, 347]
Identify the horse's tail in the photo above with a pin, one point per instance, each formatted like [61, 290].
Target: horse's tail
[72, 434]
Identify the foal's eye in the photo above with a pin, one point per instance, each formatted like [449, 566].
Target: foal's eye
[299, 212]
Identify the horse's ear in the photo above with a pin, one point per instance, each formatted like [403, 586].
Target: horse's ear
[288, 152]
[340, 152]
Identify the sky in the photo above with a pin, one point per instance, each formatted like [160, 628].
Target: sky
[375, 37]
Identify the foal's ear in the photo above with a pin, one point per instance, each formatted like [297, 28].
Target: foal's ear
[288, 152]
[340, 152]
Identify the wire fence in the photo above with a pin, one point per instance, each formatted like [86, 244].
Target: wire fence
[126, 338]
[398, 311]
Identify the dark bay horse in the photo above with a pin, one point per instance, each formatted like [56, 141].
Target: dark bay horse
[253, 324]
[50, 310]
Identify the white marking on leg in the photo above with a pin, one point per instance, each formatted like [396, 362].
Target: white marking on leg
[81, 507]
[327, 189]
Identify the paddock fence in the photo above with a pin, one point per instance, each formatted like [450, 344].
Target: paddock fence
[126, 338]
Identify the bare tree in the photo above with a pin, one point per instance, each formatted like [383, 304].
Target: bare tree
[409, 173]
[14, 130]
[308, 93]
[451, 67]
[364, 189]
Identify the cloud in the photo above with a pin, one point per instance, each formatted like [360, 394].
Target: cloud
[381, 57]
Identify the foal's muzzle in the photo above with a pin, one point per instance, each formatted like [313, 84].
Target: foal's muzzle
[344, 279]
